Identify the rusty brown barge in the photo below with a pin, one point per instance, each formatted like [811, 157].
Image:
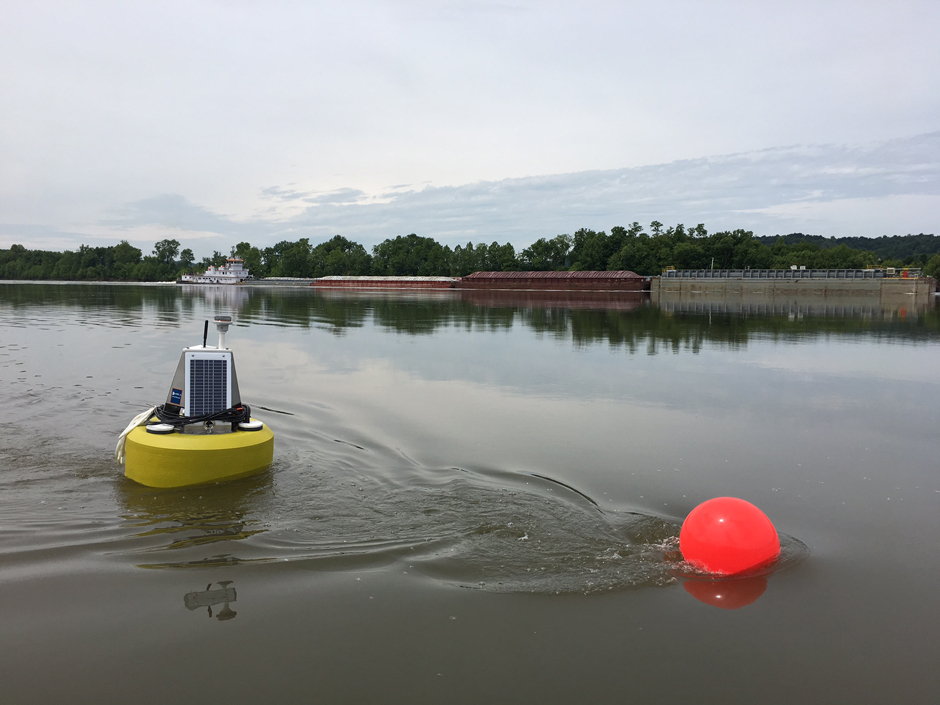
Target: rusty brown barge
[622, 281]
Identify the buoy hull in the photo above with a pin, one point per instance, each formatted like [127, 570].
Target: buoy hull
[182, 459]
[727, 535]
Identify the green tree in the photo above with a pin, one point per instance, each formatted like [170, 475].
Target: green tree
[544, 255]
[125, 253]
[932, 268]
[464, 261]
[295, 260]
[271, 258]
[166, 251]
[502, 258]
[589, 250]
[411, 255]
[339, 256]
[252, 257]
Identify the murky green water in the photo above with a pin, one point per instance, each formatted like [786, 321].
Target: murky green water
[474, 499]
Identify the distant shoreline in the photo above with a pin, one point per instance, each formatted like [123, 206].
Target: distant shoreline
[84, 282]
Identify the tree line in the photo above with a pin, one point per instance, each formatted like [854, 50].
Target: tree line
[634, 248]
[913, 250]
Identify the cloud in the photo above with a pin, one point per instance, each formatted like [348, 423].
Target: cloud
[40, 237]
[284, 194]
[171, 211]
[818, 188]
[890, 187]
[859, 216]
[339, 197]
[268, 121]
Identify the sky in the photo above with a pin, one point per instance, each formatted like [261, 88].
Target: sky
[214, 123]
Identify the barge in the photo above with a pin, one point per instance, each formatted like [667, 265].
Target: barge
[530, 281]
[557, 281]
[350, 282]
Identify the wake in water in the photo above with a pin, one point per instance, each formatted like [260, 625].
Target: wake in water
[482, 529]
[460, 530]
[493, 531]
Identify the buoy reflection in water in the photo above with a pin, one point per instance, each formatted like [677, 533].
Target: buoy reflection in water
[727, 594]
[222, 595]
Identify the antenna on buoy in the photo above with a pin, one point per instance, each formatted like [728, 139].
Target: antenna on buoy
[222, 323]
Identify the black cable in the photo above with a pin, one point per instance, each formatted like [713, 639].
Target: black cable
[235, 415]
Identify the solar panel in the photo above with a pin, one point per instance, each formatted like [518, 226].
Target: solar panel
[208, 387]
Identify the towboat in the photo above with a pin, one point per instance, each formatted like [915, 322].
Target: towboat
[232, 272]
[203, 433]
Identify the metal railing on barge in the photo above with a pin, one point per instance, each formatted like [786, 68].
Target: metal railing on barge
[885, 273]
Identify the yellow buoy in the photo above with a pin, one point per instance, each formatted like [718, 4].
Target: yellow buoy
[203, 433]
[182, 459]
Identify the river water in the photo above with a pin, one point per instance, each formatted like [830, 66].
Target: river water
[475, 498]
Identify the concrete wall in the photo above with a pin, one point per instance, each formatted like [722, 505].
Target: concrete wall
[870, 289]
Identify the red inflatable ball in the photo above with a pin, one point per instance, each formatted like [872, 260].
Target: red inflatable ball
[727, 594]
[727, 535]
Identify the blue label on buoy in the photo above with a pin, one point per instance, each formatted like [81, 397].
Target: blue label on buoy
[176, 396]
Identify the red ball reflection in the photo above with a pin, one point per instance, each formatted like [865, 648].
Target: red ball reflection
[727, 594]
[727, 535]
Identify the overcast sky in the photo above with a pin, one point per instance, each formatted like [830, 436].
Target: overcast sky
[216, 122]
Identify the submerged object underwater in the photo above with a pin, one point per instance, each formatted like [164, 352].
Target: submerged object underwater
[203, 433]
